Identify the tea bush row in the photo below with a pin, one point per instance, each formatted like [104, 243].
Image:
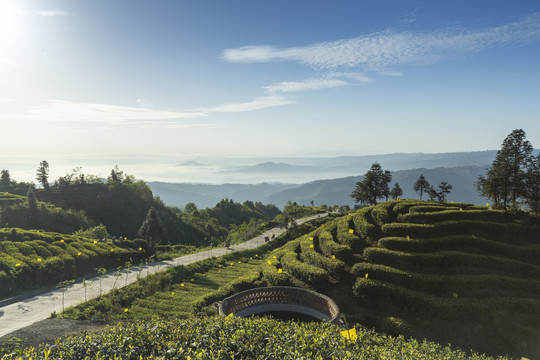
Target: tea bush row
[383, 213]
[464, 242]
[330, 248]
[303, 271]
[344, 236]
[451, 262]
[31, 264]
[364, 226]
[383, 295]
[508, 232]
[497, 216]
[219, 338]
[463, 285]
[334, 267]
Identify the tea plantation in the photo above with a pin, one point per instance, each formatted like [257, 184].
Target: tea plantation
[450, 273]
[219, 339]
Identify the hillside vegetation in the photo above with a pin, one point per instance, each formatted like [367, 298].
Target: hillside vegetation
[454, 273]
[81, 224]
[219, 338]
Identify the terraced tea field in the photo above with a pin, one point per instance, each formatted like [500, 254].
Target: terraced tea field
[454, 273]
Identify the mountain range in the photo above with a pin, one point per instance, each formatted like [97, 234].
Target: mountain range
[334, 179]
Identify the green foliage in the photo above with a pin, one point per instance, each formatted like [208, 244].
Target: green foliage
[466, 285]
[473, 244]
[498, 216]
[509, 232]
[27, 213]
[96, 232]
[363, 224]
[505, 182]
[287, 259]
[334, 267]
[453, 262]
[374, 186]
[254, 338]
[330, 248]
[229, 221]
[152, 229]
[48, 258]
[421, 186]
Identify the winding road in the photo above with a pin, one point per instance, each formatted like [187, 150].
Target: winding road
[20, 314]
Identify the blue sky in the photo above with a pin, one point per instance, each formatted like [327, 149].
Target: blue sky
[109, 79]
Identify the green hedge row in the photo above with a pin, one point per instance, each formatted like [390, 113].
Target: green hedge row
[344, 237]
[270, 271]
[430, 208]
[511, 233]
[329, 247]
[36, 263]
[21, 235]
[463, 285]
[219, 338]
[383, 213]
[402, 207]
[469, 243]
[498, 216]
[363, 225]
[287, 259]
[334, 267]
[385, 296]
[451, 262]
[303, 271]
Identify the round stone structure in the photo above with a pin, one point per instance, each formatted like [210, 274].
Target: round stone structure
[281, 299]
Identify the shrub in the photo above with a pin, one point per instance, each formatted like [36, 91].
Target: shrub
[305, 272]
[455, 214]
[464, 242]
[466, 285]
[512, 233]
[383, 213]
[329, 247]
[451, 262]
[362, 224]
[334, 267]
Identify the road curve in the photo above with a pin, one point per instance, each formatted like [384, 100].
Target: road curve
[18, 315]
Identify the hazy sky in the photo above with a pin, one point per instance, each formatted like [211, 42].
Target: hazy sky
[80, 79]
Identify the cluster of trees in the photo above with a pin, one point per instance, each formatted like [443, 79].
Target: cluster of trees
[422, 186]
[376, 185]
[513, 179]
[125, 206]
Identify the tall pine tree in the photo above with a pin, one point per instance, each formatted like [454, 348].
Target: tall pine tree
[505, 180]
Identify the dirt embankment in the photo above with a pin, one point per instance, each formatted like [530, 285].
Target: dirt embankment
[46, 331]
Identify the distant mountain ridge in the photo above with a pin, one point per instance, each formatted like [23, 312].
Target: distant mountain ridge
[330, 192]
[327, 180]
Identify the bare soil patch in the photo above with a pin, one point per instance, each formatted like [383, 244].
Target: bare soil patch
[46, 331]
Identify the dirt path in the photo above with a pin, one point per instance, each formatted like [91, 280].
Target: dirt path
[16, 318]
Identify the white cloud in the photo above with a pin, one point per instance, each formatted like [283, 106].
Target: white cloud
[59, 110]
[52, 13]
[106, 115]
[379, 51]
[309, 84]
[259, 103]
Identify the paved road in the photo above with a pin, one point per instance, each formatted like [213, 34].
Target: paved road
[26, 312]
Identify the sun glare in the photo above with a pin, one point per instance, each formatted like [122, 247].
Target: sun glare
[10, 27]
